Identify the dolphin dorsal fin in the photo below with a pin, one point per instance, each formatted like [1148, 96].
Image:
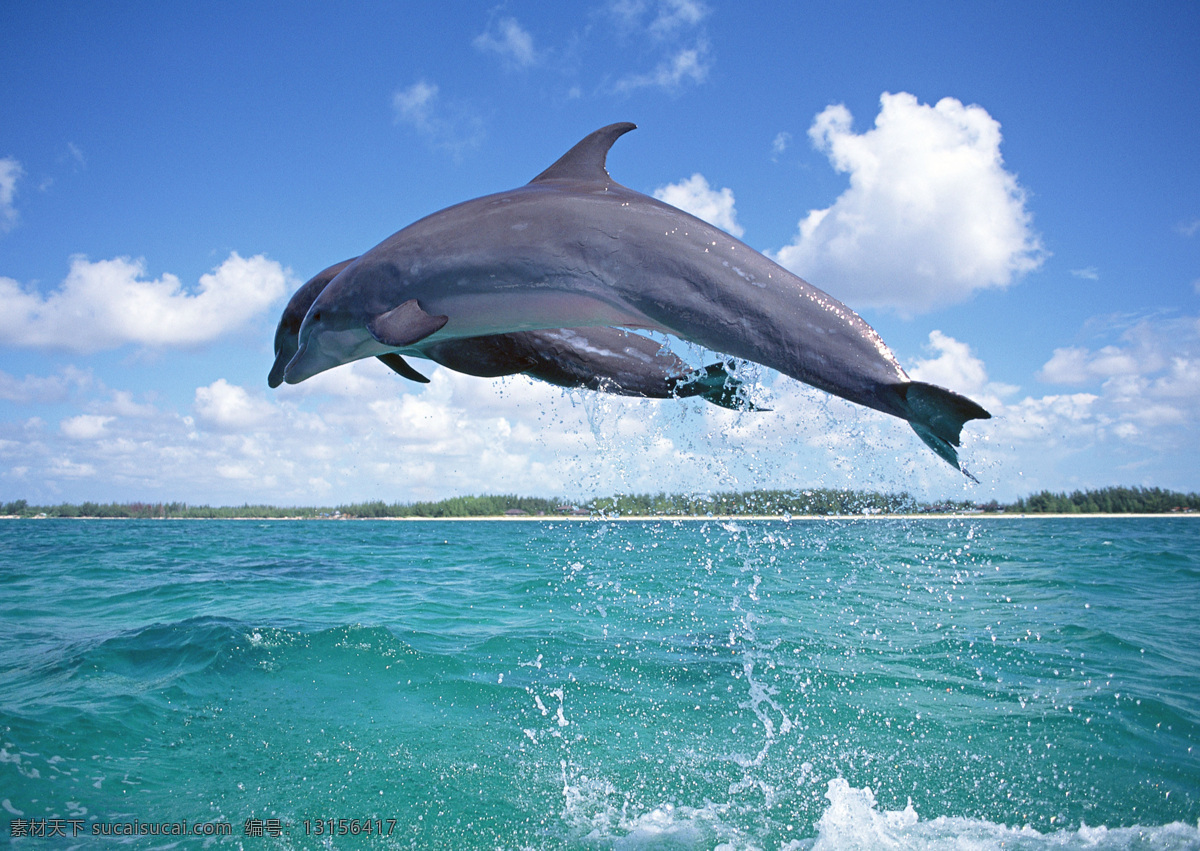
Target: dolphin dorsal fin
[585, 161]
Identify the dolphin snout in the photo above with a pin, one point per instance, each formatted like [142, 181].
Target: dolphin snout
[301, 366]
[275, 378]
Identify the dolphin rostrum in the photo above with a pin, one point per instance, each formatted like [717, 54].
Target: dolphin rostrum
[572, 249]
[600, 358]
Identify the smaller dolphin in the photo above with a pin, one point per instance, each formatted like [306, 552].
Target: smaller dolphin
[610, 360]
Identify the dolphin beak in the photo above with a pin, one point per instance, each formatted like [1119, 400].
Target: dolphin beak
[277, 370]
[307, 363]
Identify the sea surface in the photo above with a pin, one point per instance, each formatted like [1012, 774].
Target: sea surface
[928, 684]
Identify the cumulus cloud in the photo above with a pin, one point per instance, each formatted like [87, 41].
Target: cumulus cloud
[695, 196]
[1144, 346]
[109, 303]
[1048, 422]
[452, 127]
[1144, 400]
[1076, 365]
[85, 426]
[1149, 377]
[1134, 404]
[10, 172]
[228, 407]
[510, 41]
[956, 367]
[930, 217]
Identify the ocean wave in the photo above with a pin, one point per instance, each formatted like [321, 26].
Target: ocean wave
[853, 821]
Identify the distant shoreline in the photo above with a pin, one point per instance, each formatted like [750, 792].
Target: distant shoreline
[646, 518]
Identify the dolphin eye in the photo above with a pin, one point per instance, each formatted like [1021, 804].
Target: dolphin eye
[317, 316]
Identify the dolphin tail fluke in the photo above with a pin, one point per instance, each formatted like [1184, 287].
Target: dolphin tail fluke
[937, 416]
[717, 385]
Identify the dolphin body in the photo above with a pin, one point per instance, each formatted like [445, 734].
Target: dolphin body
[601, 358]
[572, 249]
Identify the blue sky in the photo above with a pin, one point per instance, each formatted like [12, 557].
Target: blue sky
[1008, 192]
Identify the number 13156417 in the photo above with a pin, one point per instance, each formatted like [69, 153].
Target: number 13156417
[349, 827]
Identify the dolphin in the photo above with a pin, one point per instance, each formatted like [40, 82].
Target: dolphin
[287, 333]
[572, 249]
[600, 358]
[611, 360]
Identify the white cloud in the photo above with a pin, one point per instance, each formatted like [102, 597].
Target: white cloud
[38, 389]
[107, 304]
[676, 32]
[957, 368]
[415, 103]
[1139, 412]
[930, 217]
[1075, 365]
[10, 172]
[1090, 273]
[780, 143]
[510, 41]
[673, 16]
[65, 468]
[122, 404]
[228, 407]
[1138, 409]
[687, 65]
[452, 127]
[1034, 424]
[1150, 376]
[1146, 347]
[85, 426]
[1188, 228]
[366, 434]
[695, 196]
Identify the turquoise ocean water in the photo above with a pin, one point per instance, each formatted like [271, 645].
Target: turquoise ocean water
[966, 683]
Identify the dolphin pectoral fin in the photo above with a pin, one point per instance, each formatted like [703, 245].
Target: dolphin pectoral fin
[937, 416]
[585, 161]
[400, 366]
[717, 385]
[404, 325]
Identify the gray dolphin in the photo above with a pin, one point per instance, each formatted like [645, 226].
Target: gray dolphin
[601, 358]
[287, 332]
[572, 249]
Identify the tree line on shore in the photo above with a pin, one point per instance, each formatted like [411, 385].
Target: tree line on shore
[775, 503]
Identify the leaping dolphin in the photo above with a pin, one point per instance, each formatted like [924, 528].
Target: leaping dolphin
[572, 249]
[601, 358]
